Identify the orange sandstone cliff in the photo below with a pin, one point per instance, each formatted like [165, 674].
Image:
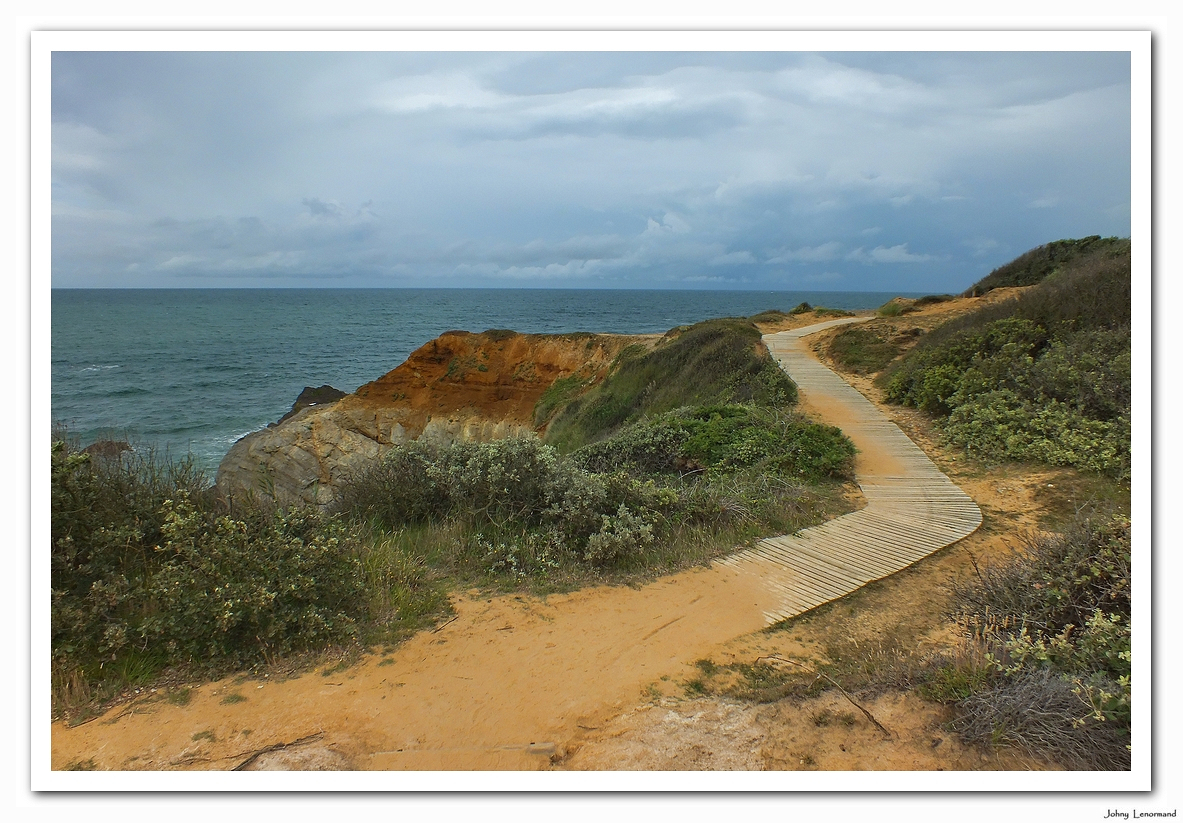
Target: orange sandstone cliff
[459, 387]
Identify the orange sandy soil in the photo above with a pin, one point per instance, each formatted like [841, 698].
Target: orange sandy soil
[501, 375]
[594, 679]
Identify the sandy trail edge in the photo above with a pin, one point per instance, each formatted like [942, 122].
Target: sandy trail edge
[506, 685]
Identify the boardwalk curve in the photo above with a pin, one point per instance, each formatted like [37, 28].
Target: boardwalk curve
[912, 508]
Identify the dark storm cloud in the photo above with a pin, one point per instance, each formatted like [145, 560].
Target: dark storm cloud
[913, 172]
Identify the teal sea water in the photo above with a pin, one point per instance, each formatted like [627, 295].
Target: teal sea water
[191, 371]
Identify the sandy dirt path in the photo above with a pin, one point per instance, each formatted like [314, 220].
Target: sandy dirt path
[503, 686]
[510, 683]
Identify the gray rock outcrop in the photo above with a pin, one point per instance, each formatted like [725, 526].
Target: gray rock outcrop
[303, 459]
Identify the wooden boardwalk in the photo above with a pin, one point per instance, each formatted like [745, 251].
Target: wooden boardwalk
[912, 508]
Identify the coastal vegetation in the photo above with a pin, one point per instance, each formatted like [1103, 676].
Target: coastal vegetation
[1045, 377]
[684, 451]
[1045, 665]
[149, 571]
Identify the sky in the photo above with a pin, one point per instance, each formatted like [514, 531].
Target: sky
[867, 171]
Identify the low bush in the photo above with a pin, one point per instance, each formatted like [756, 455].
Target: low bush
[769, 316]
[514, 489]
[1012, 391]
[1002, 425]
[148, 572]
[1054, 623]
[522, 509]
[725, 439]
[1039, 712]
[236, 591]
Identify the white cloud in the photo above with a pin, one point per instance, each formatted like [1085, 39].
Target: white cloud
[888, 254]
[826, 277]
[733, 258]
[807, 254]
[1048, 202]
[982, 246]
[180, 261]
[670, 224]
[420, 93]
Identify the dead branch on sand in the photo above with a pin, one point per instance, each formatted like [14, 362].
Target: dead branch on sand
[255, 755]
[835, 684]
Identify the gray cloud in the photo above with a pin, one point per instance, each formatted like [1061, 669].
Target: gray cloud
[915, 172]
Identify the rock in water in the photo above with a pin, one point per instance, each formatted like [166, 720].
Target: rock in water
[313, 397]
[107, 449]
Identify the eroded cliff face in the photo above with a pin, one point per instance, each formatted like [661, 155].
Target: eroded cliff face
[459, 387]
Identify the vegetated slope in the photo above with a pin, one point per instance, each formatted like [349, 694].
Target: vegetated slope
[717, 361]
[1035, 266]
[1044, 377]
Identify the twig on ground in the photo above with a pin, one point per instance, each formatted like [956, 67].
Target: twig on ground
[441, 625]
[255, 755]
[835, 684]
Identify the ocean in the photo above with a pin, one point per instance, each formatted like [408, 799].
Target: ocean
[190, 371]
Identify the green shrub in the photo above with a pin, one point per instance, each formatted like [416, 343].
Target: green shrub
[725, 439]
[1061, 579]
[235, 591]
[801, 308]
[503, 479]
[769, 316]
[146, 572]
[401, 488]
[977, 358]
[509, 492]
[526, 509]
[620, 535]
[1003, 426]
